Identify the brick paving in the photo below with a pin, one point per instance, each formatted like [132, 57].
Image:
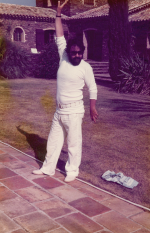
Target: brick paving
[44, 204]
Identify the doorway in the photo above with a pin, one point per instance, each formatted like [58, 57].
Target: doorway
[94, 44]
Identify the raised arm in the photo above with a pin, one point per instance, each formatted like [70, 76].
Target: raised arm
[58, 22]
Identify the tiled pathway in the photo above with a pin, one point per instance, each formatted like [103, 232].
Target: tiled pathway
[39, 203]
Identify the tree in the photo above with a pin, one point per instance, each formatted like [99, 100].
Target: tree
[119, 35]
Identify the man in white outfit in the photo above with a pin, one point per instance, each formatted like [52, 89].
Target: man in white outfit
[72, 75]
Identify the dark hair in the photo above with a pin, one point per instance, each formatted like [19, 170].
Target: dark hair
[75, 41]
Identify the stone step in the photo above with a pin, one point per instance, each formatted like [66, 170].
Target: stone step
[99, 65]
[101, 72]
[101, 75]
[97, 62]
[100, 69]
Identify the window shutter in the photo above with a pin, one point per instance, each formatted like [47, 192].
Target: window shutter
[39, 39]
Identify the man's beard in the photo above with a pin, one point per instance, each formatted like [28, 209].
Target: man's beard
[75, 61]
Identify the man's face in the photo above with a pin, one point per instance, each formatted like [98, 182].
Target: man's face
[75, 55]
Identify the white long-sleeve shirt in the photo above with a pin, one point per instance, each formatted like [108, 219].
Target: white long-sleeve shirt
[71, 80]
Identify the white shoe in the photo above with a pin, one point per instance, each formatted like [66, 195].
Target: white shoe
[37, 172]
[70, 178]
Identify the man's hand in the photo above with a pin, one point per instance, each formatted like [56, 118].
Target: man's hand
[94, 114]
[58, 23]
[59, 8]
[93, 111]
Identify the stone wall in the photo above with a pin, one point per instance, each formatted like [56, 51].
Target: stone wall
[73, 6]
[77, 6]
[140, 31]
[8, 26]
[98, 41]
[40, 3]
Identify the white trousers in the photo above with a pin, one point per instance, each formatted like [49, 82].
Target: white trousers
[64, 126]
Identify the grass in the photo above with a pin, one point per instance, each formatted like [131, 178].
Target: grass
[6, 106]
[48, 102]
[5, 96]
[119, 141]
[16, 107]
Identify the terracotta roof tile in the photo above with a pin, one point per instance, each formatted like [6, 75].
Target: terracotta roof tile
[139, 10]
[14, 9]
[134, 6]
[96, 12]
[142, 15]
[138, 3]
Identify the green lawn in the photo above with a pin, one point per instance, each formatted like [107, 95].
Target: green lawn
[119, 141]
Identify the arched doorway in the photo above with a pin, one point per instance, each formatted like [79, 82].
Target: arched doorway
[94, 40]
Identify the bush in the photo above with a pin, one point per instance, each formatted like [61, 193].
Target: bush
[2, 52]
[47, 62]
[16, 62]
[2, 47]
[135, 75]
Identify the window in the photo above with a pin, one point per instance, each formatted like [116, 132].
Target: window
[54, 2]
[44, 3]
[49, 36]
[44, 37]
[49, 3]
[18, 34]
[89, 2]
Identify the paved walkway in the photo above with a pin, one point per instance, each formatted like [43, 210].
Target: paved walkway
[43, 204]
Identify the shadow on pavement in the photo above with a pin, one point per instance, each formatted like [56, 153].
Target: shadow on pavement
[38, 145]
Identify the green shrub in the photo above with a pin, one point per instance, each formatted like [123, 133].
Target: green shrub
[2, 47]
[16, 62]
[47, 62]
[2, 52]
[135, 75]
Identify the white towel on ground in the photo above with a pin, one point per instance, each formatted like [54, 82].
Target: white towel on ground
[120, 178]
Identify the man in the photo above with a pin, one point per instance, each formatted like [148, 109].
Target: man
[72, 75]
